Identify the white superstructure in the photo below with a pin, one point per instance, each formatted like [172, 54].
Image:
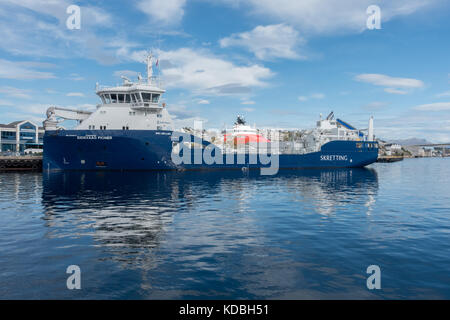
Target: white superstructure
[241, 128]
[130, 106]
[328, 129]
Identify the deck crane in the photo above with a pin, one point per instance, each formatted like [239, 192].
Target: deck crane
[53, 113]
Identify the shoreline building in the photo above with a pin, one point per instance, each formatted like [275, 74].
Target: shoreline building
[20, 135]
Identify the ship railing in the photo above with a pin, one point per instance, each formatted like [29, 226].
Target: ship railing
[353, 136]
[154, 81]
[145, 105]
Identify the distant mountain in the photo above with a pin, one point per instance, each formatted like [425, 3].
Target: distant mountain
[410, 141]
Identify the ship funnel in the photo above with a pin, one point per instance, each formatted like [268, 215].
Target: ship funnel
[370, 134]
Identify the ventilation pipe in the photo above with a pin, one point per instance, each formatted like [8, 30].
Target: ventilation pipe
[370, 135]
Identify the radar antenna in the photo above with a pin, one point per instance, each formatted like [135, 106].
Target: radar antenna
[125, 80]
[240, 120]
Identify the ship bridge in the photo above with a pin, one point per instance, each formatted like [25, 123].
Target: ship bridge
[136, 95]
[141, 95]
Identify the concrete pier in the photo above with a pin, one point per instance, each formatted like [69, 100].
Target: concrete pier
[9, 163]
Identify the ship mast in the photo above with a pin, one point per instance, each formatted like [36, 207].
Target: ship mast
[149, 68]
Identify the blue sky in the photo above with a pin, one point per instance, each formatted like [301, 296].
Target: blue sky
[279, 63]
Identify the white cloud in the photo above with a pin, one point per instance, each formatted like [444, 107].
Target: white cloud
[331, 16]
[14, 116]
[75, 94]
[180, 111]
[248, 109]
[443, 94]
[392, 85]
[248, 102]
[57, 8]
[311, 96]
[38, 28]
[207, 74]
[126, 73]
[387, 81]
[183, 116]
[5, 103]
[203, 101]
[15, 92]
[317, 96]
[376, 105]
[395, 91]
[163, 11]
[20, 70]
[419, 124]
[76, 77]
[438, 106]
[268, 42]
[35, 109]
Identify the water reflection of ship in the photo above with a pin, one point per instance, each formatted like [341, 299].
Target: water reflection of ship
[140, 220]
[126, 212]
[329, 189]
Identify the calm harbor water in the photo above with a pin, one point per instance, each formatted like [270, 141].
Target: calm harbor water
[307, 234]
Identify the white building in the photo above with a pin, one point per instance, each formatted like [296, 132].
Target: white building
[20, 135]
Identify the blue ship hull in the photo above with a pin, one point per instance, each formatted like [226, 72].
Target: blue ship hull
[151, 150]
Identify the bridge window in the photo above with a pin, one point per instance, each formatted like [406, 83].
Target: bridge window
[107, 98]
[155, 98]
[113, 98]
[146, 96]
[138, 97]
[133, 98]
[120, 97]
[127, 98]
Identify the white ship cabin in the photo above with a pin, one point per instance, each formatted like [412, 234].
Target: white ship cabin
[241, 127]
[337, 129]
[129, 106]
